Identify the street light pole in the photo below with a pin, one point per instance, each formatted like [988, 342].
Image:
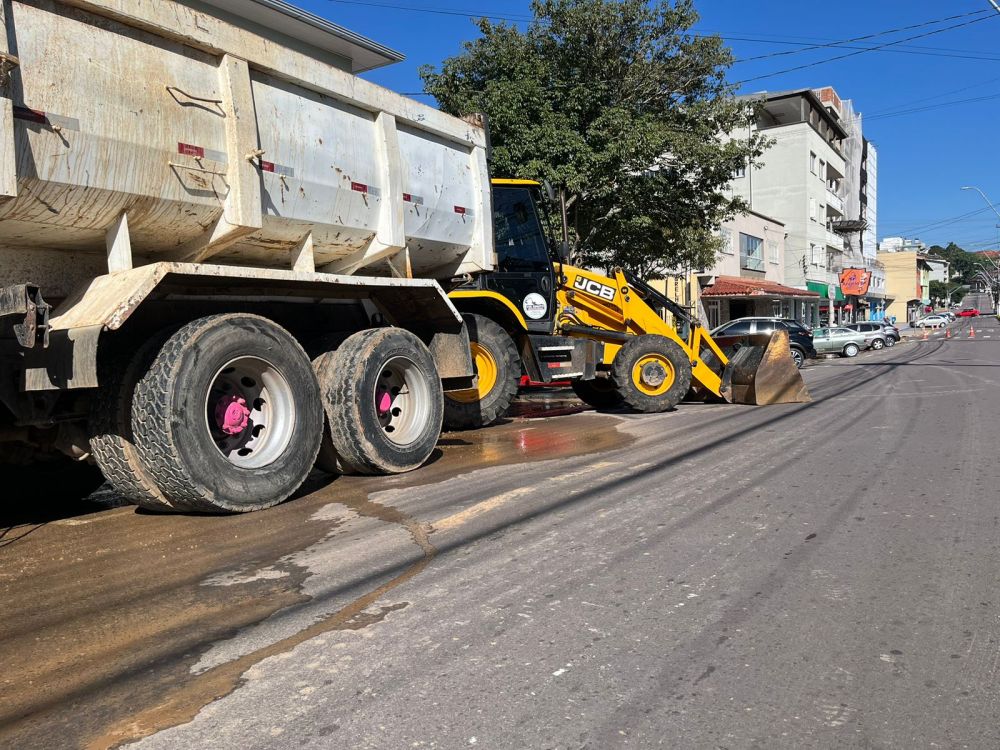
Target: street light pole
[973, 187]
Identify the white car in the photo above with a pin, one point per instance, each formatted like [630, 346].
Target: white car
[932, 321]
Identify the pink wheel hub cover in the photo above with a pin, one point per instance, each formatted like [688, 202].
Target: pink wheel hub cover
[383, 401]
[232, 414]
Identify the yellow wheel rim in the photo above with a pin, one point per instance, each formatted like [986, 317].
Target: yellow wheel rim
[653, 374]
[488, 371]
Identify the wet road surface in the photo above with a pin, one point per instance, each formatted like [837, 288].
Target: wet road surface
[816, 575]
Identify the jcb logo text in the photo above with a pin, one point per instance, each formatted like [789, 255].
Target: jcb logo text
[593, 287]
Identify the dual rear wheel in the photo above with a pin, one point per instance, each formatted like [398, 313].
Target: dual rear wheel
[227, 414]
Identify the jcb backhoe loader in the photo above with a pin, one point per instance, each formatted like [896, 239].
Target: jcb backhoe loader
[538, 315]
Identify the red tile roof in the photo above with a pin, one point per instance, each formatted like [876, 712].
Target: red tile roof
[735, 286]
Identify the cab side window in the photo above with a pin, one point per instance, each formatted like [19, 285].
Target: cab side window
[520, 243]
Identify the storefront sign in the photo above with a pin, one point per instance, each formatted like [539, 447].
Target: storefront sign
[855, 281]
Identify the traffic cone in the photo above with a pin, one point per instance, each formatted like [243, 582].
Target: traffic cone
[925, 334]
[972, 332]
[947, 333]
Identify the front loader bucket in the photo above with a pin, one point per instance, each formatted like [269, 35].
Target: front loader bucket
[761, 371]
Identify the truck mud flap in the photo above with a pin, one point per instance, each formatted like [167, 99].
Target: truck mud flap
[761, 371]
[24, 313]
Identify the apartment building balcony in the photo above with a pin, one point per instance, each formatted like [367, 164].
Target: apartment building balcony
[834, 204]
[751, 263]
[834, 240]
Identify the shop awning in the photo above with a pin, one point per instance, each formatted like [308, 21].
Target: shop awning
[821, 289]
[735, 286]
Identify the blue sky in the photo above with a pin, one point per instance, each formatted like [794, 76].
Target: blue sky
[924, 156]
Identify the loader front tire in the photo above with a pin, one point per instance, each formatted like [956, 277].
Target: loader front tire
[651, 373]
[600, 393]
[498, 367]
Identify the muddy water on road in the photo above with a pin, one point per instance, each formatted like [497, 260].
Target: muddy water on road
[105, 613]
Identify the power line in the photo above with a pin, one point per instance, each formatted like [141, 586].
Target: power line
[805, 40]
[861, 52]
[863, 38]
[934, 225]
[909, 50]
[939, 105]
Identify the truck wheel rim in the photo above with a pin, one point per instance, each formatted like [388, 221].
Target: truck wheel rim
[250, 412]
[653, 374]
[488, 372]
[402, 399]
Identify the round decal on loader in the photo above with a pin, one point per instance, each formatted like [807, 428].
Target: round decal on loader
[535, 306]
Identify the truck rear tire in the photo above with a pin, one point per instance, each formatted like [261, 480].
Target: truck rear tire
[601, 393]
[498, 367]
[651, 373]
[112, 442]
[383, 400]
[228, 417]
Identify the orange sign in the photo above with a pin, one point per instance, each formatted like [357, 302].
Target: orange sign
[855, 281]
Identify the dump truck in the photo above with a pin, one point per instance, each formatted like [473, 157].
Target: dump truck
[222, 253]
[540, 317]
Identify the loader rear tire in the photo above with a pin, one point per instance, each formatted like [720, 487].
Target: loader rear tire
[228, 417]
[651, 373]
[112, 442]
[383, 400]
[600, 393]
[498, 367]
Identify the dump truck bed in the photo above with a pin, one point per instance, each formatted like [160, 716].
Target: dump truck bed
[211, 141]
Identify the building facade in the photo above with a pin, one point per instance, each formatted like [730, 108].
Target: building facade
[908, 284]
[819, 178]
[748, 277]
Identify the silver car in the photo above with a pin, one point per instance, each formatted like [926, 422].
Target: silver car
[842, 341]
[877, 335]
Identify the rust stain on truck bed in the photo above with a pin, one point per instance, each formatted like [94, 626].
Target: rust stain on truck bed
[105, 614]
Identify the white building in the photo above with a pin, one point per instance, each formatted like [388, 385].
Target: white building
[749, 274]
[901, 245]
[799, 183]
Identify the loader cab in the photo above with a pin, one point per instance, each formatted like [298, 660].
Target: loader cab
[524, 272]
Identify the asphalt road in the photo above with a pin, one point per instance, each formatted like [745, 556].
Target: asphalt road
[818, 575]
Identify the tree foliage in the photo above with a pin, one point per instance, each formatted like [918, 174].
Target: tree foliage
[950, 293]
[625, 109]
[963, 264]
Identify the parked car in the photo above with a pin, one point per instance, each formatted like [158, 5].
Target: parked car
[838, 340]
[948, 314]
[968, 312]
[877, 335]
[932, 321]
[799, 337]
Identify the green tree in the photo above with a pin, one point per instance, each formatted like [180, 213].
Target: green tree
[624, 108]
[950, 292]
[963, 265]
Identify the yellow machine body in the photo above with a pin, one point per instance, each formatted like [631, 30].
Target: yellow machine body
[609, 310]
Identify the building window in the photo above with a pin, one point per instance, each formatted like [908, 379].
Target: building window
[812, 209]
[713, 313]
[740, 172]
[727, 240]
[816, 255]
[751, 252]
[821, 214]
[812, 162]
[772, 251]
[822, 169]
